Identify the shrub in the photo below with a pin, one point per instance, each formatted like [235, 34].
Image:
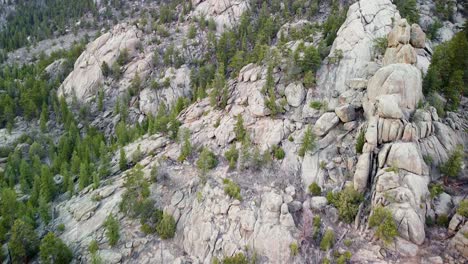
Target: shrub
[442, 220]
[380, 45]
[436, 189]
[315, 189]
[112, 230]
[294, 248]
[308, 142]
[239, 258]
[61, 227]
[328, 240]
[343, 259]
[361, 139]
[186, 149]
[93, 246]
[192, 33]
[347, 202]
[166, 227]
[232, 155]
[386, 227]
[347, 242]
[239, 129]
[453, 166]
[206, 161]
[463, 208]
[309, 79]
[317, 105]
[278, 152]
[232, 189]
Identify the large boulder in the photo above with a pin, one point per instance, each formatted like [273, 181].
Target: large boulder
[346, 113]
[295, 94]
[325, 123]
[400, 34]
[400, 79]
[400, 54]
[83, 82]
[406, 155]
[366, 20]
[418, 37]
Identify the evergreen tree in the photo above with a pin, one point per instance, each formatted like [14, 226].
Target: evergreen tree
[23, 243]
[219, 92]
[43, 118]
[112, 230]
[53, 250]
[84, 178]
[122, 160]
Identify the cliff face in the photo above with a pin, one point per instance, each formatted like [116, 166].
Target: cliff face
[357, 95]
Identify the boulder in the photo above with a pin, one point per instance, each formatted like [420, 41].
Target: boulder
[346, 113]
[400, 34]
[406, 155]
[110, 256]
[460, 241]
[295, 94]
[388, 106]
[443, 204]
[418, 37]
[399, 79]
[366, 20]
[325, 123]
[318, 202]
[401, 54]
[361, 175]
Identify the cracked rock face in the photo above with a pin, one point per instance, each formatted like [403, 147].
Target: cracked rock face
[225, 13]
[394, 129]
[83, 82]
[366, 21]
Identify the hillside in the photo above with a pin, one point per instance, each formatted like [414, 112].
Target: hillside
[236, 131]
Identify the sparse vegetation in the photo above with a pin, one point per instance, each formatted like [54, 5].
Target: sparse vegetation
[386, 226]
[232, 189]
[315, 189]
[360, 141]
[317, 105]
[308, 142]
[112, 230]
[294, 249]
[435, 189]
[328, 240]
[453, 166]
[166, 227]
[278, 152]
[232, 155]
[347, 202]
[463, 208]
[206, 161]
[442, 220]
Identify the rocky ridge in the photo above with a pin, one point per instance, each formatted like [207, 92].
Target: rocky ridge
[377, 96]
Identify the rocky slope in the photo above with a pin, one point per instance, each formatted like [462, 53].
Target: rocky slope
[379, 95]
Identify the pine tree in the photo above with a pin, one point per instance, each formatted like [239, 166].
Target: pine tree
[53, 250]
[84, 178]
[47, 184]
[104, 168]
[43, 118]
[112, 230]
[24, 242]
[239, 129]
[219, 92]
[96, 180]
[122, 160]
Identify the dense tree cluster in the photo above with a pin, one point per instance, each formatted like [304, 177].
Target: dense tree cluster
[448, 72]
[33, 21]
